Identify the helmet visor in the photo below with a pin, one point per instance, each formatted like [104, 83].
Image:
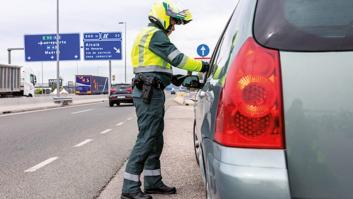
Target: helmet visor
[178, 17]
[182, 17]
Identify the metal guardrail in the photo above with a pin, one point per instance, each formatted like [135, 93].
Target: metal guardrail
[62, 100]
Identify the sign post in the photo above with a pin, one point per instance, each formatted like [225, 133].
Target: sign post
[57, 51]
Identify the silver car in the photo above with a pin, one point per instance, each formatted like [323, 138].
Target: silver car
[274, 118]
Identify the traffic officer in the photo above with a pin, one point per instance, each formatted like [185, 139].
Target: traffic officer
[153, 56]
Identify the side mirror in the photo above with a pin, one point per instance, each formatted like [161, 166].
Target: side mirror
[192, 81]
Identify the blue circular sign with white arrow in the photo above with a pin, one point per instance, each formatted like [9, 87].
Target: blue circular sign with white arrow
[203, 50]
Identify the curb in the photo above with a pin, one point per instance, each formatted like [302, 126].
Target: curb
[28, 109]
[4, 112]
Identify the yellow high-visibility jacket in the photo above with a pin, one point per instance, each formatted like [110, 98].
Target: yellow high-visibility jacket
[153, 52]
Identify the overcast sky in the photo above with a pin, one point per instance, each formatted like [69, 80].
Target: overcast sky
[20, 17]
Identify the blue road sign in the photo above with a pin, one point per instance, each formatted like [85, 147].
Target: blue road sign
[102, 46]
[43, 47]
[203, 50]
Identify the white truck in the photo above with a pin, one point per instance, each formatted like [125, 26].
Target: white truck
[16, 81]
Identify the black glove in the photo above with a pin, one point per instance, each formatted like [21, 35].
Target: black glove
[177, 80]
[205, 67]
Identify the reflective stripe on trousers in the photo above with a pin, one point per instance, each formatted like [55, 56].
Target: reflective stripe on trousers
[156, 172]
[132, 177]
[136, 178]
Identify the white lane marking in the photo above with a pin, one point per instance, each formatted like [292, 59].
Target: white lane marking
[105, 131]
[47, 109]
[83, 143]
[119, 124]
[42, 164]
[83, 111]
[130, 118]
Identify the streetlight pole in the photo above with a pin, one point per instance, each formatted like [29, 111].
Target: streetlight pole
[9, 53]
[76, 67]
[124, 22]
[57, 51]
[42, 75]
[110, 77]
[9, 56]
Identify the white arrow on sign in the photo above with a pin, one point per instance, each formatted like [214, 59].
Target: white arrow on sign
[117, 50]
[76, 56]
[29, 58]
[203, 49]
[52, 57]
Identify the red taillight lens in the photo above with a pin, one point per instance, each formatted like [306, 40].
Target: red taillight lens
[250, 108]
[113, 90]
[129, 90]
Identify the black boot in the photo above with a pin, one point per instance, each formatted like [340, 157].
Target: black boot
[137, 195]
[164, 189]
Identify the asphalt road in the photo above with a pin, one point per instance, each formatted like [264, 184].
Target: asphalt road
[69, 152]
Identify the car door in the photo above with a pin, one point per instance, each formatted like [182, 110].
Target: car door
[203, 105]
[206, 106]
[208, 96]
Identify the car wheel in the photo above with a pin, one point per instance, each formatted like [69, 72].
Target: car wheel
[111, 104]
[196, 145]
[118, 103]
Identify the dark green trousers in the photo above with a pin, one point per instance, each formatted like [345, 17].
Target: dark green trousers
[149, 144]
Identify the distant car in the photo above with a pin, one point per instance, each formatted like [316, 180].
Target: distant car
[120, 93]
[172, 91]
[169, 87]
[274, 118]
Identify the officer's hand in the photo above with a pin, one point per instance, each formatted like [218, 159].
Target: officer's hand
[177, 80]
[205, 67]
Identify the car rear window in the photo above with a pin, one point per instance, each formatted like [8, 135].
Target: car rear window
[125, 86]
[305, 25]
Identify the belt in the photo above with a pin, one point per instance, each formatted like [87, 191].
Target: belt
[142, 79]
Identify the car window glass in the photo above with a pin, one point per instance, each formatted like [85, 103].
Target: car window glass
[226, 46]
[297, 25]
[215, 53]
[122, 86]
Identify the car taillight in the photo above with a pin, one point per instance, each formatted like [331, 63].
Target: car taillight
[113, 90]
[129, 90]
[250, 107]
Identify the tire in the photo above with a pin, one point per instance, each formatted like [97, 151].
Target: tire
[118, 103]
[111, 104]
[196, 145]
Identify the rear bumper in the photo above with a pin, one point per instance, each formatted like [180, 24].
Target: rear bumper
[121, 98]
[248, 174]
